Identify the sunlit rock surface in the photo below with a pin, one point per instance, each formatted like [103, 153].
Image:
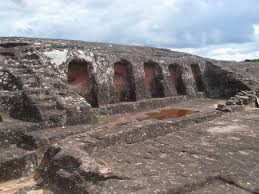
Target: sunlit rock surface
[79, 117]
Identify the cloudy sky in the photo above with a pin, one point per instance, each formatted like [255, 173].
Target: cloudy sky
[221, 29]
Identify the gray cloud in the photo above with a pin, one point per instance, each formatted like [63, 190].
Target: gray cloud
[228, 51]
[161, 23]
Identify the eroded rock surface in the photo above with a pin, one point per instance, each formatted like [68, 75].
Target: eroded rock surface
[103, 118]
[56, 82]
[221, 153]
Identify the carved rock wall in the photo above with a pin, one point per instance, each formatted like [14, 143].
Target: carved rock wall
[59, 81]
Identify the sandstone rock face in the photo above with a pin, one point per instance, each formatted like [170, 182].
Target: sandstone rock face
[104, 118]
[203, 157]
[58, 82]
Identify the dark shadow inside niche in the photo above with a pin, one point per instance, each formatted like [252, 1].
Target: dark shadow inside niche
[176, 73]
[123, 81]
[81, 79]
[13, 44]
[197, 77]
[153, 79]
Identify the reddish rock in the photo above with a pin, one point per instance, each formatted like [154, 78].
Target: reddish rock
[134, 147]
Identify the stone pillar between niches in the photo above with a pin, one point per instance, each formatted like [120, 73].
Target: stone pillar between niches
[138, 72]
[188, 80]
[196, 72]
[105, 95]
[169, 89]
[202, 66]
[104, 79]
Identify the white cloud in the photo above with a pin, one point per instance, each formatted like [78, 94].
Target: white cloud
[233, 52]
[256, 29]
[162, 23]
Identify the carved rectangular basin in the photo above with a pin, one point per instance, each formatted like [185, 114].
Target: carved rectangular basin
[170, 113]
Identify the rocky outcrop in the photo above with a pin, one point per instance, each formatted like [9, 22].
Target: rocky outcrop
[42, 96]
[58, 82]
[194, 157]
[243, 98]
[223, 83]
[123, 103]
[240, 101]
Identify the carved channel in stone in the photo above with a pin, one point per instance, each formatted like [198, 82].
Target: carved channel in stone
[153, 79]
[81, 80]
[197, 77]
[123, 81]
[177, 79]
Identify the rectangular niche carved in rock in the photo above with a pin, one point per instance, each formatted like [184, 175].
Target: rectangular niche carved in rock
[81, 79]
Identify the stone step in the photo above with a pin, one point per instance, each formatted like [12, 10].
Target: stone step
[37, 90]
[17, 71]
[11, 130]
[40, 98]
[15, 65]
[47, 105]
[6, 100]
[55, 117]
[27, 76]
[16, 162]
[56, 85]
[106, 135]
[30, 84]
[46, 137]
[29, 80]
[34, 66]
[51, 79]
[44, 73]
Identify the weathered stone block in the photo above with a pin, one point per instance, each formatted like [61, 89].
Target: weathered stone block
[240, 102]
[230, 102]
[223, 108]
